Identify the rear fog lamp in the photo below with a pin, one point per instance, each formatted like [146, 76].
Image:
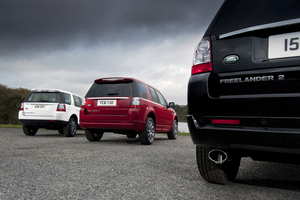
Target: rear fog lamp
[226, 121]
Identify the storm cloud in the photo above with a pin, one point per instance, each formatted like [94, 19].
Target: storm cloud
[66, 44]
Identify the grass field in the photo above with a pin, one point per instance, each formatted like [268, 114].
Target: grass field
[10, 126]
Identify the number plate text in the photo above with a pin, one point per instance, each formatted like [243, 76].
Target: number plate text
[39, 106]
[284, 45]
[107, 103]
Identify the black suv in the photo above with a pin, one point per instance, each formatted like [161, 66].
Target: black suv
[245, 87]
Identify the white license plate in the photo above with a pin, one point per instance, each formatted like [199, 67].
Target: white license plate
[39, 106]
[284, 45]
[107, 103]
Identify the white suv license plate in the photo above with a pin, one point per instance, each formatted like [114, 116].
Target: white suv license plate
[107, 103]
[284, 45]
[39, 106]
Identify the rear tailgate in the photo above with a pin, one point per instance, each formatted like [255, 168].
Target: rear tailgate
[107, 106]
[39, 109]
[109, 99]
[256, 60]
[254, 72]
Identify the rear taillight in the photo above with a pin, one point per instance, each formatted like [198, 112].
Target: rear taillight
[22, 106]
[83, 104]
[61, 107]
[202, 57]
[135, 103]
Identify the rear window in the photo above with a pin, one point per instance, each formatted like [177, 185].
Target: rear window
[239, 14]
[111, 89]
[43, 97]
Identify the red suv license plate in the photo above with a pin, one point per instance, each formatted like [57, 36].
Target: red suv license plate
[107, 103]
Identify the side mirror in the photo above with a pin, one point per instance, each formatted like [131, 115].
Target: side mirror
[172, 104]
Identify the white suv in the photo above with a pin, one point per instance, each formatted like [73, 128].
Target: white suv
[51, 109]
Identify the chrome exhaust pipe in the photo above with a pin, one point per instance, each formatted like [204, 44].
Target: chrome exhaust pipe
[217, 156]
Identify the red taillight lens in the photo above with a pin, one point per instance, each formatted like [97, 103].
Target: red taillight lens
[135, 103]
[226, 121]
[202, 57]
[197, 69]
[83, 105]
[22, 106]
[61, 107]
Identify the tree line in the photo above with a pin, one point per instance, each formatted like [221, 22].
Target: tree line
[181, 112]
[10, 102]
[11, 99]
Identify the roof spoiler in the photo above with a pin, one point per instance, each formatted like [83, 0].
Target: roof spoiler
[108, 80]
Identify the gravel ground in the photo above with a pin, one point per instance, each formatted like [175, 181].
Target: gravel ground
[50, 166]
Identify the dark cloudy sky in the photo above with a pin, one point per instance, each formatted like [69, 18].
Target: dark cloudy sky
[66, 44]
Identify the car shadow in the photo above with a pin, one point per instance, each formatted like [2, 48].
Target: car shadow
[119, 138]
[55, 134]
[107, 137]
[270, 183]
[271, 175]
[127, 140]
[120, 141]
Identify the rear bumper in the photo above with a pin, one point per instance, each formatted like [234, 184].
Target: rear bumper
[48, 124]
[248, 139]
[133, 121]
[114, 126]
[268, 123]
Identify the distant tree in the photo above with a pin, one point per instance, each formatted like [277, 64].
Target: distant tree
[3, 104]
[181, 112]
[10, 102]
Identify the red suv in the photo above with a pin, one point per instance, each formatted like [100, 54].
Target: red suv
[127, 106]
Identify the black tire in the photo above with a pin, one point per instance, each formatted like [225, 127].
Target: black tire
[173, 134]
[70, 129]
[28, 130]
[148, 134]
[93, 135]
[131, 135]
[216, 173]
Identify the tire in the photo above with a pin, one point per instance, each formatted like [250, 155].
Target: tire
[70, 129]
[93, 135]
[216, 173]
[28, 130]
[131, 135]
[173, 134]
[148, 134]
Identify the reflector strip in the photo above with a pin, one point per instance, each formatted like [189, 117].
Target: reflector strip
[225, 121]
